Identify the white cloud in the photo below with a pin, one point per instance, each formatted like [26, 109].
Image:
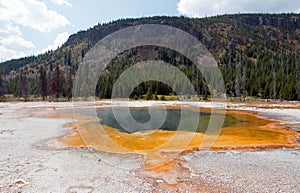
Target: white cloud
[200, 8]
[16, 42]
[7, 54]
[8, 28]
[59, 40]
[12, 42]
[31, 13]
[62, 2]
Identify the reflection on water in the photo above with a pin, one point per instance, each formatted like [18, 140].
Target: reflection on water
[176, 119]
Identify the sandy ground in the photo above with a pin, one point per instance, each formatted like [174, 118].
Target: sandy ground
[26, 165]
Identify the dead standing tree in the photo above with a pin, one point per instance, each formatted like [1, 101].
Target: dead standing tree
[24, 86]
[1, 84]
[298, 75]
[56, 82]
[43, 83]
[238, 78]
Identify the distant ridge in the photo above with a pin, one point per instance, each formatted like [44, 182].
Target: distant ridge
[257, 45]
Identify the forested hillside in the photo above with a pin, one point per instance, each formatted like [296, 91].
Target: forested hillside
[258, 55]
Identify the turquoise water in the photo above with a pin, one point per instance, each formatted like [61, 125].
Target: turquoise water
[190, 120]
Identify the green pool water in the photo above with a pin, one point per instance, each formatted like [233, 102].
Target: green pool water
[176, 119]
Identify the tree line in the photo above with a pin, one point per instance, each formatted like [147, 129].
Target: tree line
[246, 73]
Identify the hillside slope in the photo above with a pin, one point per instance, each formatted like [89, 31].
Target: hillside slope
[258, 55]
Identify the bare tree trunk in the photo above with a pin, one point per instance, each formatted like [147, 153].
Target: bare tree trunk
[24, 86]
[298, 76]
[1, 84]
[274, 78]
[43, 83]
[244, 84]
[238, 78]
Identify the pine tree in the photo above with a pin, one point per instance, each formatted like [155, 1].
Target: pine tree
[1, 84]
[238, 79]
[155, 96]
[56, 82]
[69, 84]
[43, 83]
[84, 90]
[244, 92]
[297, 77]
[274, 78]
[149, 94]
[24, 86]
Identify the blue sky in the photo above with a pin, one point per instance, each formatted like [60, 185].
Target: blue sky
[30, 27]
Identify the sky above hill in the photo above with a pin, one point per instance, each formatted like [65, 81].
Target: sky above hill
[30, 27]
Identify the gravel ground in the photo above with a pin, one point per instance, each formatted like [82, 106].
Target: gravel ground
[28, 166]
[266, 171]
